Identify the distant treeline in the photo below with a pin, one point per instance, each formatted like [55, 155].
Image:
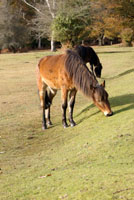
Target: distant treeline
[37, 24]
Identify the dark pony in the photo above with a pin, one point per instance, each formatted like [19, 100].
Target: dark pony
[68, 73]
[89, 55]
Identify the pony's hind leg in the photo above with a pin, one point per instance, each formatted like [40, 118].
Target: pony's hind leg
[42, 92]
[47, 101]
[51, 94]
[71, 103]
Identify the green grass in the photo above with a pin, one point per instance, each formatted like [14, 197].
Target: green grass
[92, 161]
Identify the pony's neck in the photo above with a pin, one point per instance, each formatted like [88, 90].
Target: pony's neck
[88, 82]
[83, 79]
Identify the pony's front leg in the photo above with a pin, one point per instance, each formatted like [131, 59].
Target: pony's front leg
[64, 93]
[47, 114]
[71, 103]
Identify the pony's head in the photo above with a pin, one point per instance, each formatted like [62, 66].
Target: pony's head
[100, 99]
[98, 69]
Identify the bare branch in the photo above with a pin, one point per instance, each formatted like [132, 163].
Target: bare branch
[32, 7]
[49, 7]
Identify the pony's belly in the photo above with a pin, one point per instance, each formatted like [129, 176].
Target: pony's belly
[58, 85]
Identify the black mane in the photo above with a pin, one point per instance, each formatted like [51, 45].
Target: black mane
[83, 79]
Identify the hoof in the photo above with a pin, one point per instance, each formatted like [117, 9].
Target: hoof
[73, 124]
[44, 128]
[49, 123]
[65, 126]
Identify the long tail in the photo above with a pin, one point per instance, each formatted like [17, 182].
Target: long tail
[47, 100]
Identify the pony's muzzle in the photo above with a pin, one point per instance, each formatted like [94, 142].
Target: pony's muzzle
[99, 76]
[109, 114]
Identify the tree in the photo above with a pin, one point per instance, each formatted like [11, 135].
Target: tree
[105, 20]
[127, 36]
[49, 11]
[99, 12]
[13, 30]
[125, 9]
[124, 14]
[40, 25]
[71, 21]
[42, 13]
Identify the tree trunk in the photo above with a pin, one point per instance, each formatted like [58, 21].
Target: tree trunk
[39, 43]
[101, 40]
[52, 43]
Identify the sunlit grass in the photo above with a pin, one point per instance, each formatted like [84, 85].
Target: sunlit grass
[92, 161]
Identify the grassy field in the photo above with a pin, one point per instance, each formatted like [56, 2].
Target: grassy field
[92, 161]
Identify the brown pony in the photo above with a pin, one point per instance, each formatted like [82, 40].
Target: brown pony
[68, 73]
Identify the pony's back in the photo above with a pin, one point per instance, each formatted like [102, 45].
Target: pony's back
[87, 54]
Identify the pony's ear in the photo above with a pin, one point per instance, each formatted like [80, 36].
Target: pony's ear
[103, 84]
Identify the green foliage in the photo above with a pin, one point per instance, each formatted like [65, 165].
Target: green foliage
[68, 28]
[70, 24]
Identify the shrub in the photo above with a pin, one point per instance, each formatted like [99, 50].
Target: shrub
[127, 36]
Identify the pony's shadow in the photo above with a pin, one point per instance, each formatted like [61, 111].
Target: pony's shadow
[122, 100]
[107, 52]
[122, 74]
[126, 99]
[85, 110]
